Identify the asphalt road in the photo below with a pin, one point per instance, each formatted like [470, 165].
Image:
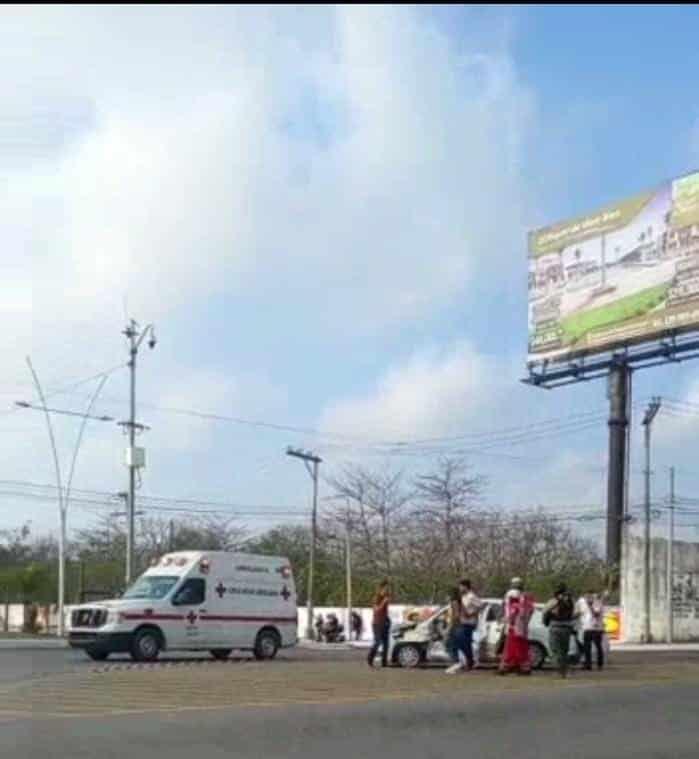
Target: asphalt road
[329, 705]
[20, 664]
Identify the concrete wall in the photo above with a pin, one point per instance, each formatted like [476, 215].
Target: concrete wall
[11, 617]
[685, 592]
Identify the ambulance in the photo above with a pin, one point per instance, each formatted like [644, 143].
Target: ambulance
[195, 601]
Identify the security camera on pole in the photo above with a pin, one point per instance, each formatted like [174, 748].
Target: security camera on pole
[135, 457]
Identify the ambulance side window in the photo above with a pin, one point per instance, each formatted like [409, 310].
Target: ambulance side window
[192, 592]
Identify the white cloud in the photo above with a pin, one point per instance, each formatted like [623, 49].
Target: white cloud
[187, 184]
[432, 394]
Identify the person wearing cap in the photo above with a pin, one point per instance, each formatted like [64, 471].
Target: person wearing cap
[560, 616]
[519, 607]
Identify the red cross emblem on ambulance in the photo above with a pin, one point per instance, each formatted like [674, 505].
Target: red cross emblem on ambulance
[285, 594]
[191, 617]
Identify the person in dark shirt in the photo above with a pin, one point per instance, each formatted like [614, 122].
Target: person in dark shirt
[560, 616]
[381, 624]
[357, 625]
[319, 625]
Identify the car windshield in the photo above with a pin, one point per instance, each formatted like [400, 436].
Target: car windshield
[151, 587]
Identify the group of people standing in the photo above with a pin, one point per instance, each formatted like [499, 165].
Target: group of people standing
[330, 630]
[562, 615]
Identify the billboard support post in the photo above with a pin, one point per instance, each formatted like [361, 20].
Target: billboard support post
[619, 387]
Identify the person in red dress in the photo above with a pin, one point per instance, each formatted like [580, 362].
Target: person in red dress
[519, 607]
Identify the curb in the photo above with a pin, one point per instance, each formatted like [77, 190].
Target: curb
[324, 647]
[654, 648]
[152, 666]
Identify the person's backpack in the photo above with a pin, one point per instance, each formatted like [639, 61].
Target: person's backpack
[566, 608]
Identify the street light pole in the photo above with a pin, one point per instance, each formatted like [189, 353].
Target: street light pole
[63, 499]
[135, 335]
[309, 458]
[650, 414]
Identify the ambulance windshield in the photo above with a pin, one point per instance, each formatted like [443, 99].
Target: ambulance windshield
[151, 587]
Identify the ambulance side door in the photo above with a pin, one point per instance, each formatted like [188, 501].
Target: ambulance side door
[189, 601]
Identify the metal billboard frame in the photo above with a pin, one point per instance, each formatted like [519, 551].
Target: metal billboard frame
[671, 348]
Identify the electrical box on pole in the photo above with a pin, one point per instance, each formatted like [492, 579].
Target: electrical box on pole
[135, 457]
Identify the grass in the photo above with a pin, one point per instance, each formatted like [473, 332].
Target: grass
[576, 326]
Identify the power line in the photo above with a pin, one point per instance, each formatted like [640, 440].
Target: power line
[81, 501]
[71, 386]
[592, 416]
[146, 499]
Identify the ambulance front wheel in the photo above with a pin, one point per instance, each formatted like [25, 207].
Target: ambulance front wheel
[267, 644]
[146, 644]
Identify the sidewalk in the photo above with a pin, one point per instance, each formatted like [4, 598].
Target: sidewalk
[35, 642]
[653, 648]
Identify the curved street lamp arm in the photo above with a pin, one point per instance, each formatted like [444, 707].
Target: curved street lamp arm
[51, 435]
[78, 442]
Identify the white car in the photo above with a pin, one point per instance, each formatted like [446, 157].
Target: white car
[195, 601]
[413, 644]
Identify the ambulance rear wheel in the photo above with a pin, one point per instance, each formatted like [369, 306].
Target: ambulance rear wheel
[146, 645]
[221, 653]
[266, 644]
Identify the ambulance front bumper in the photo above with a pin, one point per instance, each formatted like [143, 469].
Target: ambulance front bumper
[108, 642]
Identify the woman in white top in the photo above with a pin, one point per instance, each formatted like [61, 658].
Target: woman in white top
[591, 610]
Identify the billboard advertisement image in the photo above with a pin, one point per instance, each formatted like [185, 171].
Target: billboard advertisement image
[624, 274]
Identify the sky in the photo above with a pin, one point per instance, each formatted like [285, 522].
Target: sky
[324, 212]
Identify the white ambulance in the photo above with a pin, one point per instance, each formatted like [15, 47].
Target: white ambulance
[195, 601]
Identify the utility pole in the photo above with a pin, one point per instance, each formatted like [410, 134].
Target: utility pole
[348, 571]
[309, 458]
[135, 457]
[670, 557]
[650, 414]
[171, 540]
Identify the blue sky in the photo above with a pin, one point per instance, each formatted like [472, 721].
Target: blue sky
[324, 210]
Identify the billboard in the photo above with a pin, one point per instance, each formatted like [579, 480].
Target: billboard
[626, 273]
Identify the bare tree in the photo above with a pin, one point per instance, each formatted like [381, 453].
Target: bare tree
[375, 501]
[444, 500]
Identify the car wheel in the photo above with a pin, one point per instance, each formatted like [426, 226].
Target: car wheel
[537, 655]
[266, 645]
[96, 654]
[409, 656]
[146, 645]
[221, 653]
